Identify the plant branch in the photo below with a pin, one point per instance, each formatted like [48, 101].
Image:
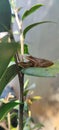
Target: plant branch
[21, 82]
[19, 22]
[9, 123]
[20, 75]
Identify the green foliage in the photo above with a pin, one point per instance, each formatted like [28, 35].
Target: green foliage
[26, 51]
[33, 25]
[8, 75]
[54, 69]
[5, 15]
[31, 10]
[5, 108]
[38, 126]
[7, 51]
[39, 72]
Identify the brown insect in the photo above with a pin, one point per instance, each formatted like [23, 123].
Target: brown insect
[36, 62]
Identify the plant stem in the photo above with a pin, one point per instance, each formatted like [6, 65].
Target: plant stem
[21, 99]
[9, 123]
[21, 82]
[19, 22]
[20, 75]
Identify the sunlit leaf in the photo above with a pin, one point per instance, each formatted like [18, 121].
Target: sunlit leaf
[39, 72]
[31, 10]
[9, 74]
[26, 84]
[35, 98]
[5, 15]
[26, 51]
[33, 25]
[5, 108]
[7, 51]
[26, 92]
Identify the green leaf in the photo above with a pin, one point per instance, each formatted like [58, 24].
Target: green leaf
[5, 15]
[54, 69]
[33, 25]
[9, 74]
[31, 10]
[26, 51]
[43, 72]
[38, 126]
[5, 38]
[5, 108]
[25, 106]
[7, 51]
[26, 84]
[39, 72]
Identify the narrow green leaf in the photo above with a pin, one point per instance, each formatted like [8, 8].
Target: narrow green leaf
[5, 108]
[33, 25]
[26, 84]
[7, 50]
[31, 10]
[39, 72]
[9, 74]
[5, 15]
[26, 51]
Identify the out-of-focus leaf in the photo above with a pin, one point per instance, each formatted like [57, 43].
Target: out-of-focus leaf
[5, 38]
[25, 106]
[7, 51]
[12, 3]
[37, 126]
[33, 25]
[35, 98]
[5, 108]
[31, 10]
[32, 86]
[9, 74]
[26, 84]
[26, 92]
[5, 15]
[29, 89]
[13, 59]
[27, 125]
[13, 128]
[39, 72]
